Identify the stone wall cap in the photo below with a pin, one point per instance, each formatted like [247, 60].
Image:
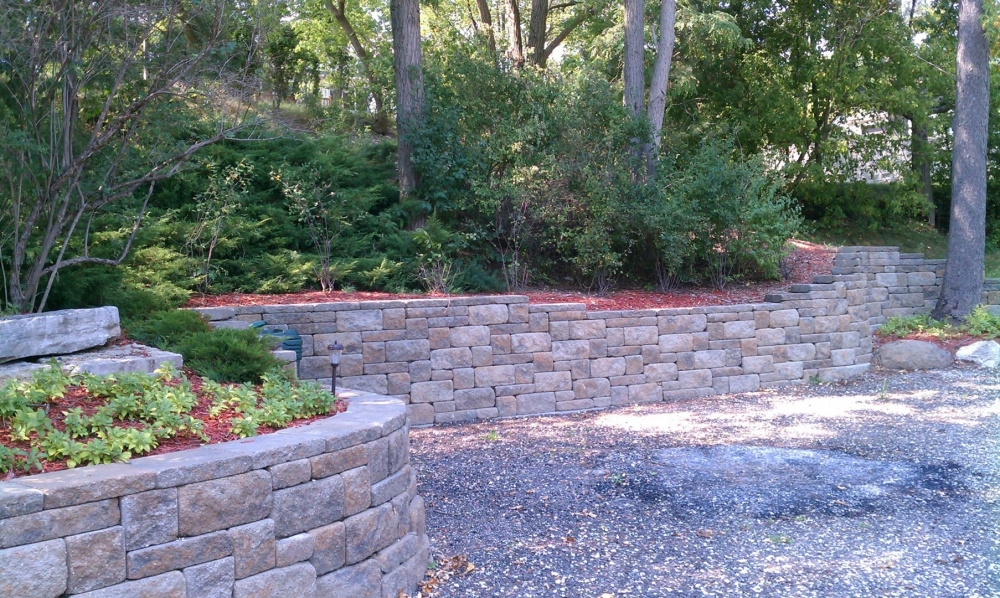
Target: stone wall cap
[92, 483]
[549, 307]
[368, 417]
[16, 500]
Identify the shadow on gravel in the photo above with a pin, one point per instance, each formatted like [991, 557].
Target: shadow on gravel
[772, 483]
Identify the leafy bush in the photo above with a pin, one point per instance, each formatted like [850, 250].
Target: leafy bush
[722, 214]
[228, 355]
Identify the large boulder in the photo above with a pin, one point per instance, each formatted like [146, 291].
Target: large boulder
[57, 332]
[985, 354]
[914, 355]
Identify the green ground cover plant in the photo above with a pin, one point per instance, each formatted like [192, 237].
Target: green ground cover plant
[980, 323]
[89, 420]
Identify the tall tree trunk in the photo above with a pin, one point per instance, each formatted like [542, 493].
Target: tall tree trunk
[407, 61]
[381, 124]
[920, 162]
[634, 72]
[661, 76]
[516, 37]
[963, 277]
[487, 19]
[537, 29]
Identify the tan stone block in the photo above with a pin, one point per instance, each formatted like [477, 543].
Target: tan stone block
[606, 367]
[586, 329]
[675, 343]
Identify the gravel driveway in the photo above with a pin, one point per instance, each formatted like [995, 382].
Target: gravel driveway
[883, 486]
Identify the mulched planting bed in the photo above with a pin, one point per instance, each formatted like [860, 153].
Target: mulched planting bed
[215, 428]
[805, 261]
[886, 485]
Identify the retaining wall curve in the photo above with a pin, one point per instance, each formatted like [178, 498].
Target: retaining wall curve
[327, 509]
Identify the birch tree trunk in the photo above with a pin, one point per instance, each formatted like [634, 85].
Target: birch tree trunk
[963, 278]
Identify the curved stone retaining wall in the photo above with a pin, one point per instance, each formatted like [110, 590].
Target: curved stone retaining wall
[328, 509]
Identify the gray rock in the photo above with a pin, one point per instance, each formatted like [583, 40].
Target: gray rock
[390, 487]
[210, 580]
[360, 581]
[328, 464]
[403, 579]
[914, 355]
[214, 314]
[57, 523]
[357, 490]
[298, 581]
[149, 518]
[985, 354]
[89, 484]
[397, 553]
[329, 548]
[57, 332]
[253, 548]
[195, 465]
[294, 549]
[96, 560]
[168, 585]
[114, 360]
[178, 554]
[293, 473]
[417, 515]
[17, 500]
[371, 531]
[233, 324]
[217, 504]
[34, 570]
[306, 506]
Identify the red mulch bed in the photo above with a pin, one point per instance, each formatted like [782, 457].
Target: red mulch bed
[217, 429]
[806, 261]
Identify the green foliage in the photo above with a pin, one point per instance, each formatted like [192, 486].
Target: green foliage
[982, 323]
[722, 215]
[166, 328]
[920, 324]
[859, 204]
[227, 355]
[137, 412]
[223, 355]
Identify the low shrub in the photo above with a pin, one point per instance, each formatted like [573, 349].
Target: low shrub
[228, 355]
[222, 355]
[165, 329]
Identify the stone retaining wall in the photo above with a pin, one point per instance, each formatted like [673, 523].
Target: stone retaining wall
[481, 357]
[327, 509]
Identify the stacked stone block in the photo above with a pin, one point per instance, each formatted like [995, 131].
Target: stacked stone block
[482, 357]
[327, 509]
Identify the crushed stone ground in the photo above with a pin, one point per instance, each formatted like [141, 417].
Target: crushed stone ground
[887, 485]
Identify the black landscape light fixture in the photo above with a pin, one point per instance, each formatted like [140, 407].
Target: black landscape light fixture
[336, 350]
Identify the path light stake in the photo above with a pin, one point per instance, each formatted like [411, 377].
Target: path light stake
[336, 350]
